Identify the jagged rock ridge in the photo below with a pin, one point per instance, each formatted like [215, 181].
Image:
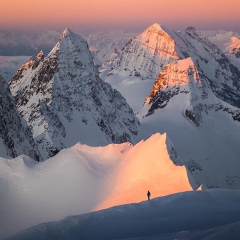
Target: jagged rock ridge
[64, 101]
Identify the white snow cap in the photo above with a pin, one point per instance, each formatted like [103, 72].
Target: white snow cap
[158, 27]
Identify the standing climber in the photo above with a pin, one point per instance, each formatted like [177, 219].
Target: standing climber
[148, 194]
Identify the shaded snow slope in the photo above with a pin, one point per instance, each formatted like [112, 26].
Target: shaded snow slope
[212, 214]
[15, 136]
[82, 179]
[64, 101]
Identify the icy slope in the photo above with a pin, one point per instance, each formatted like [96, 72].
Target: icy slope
[64, 101]
[82, 179]
[212, 214]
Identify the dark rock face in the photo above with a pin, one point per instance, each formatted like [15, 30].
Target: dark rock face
[161, 99]
[15, 134]
[63, 92]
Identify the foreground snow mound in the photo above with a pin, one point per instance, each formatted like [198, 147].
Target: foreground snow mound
[82, 179]
[64, 101]
[212, 214]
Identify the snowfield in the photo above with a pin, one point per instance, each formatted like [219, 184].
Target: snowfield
[210, 214]
[83, 179]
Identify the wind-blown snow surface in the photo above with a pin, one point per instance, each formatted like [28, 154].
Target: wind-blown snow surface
[82, 179]
[212, 214]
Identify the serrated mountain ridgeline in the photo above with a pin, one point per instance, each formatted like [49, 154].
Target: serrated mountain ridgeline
[64, 101]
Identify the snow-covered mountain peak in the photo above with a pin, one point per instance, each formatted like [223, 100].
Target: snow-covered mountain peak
[40, 54]
[146, 54]
[175, 77]
[234, 44]
[66, 32]
[191, 29]
[157, 28]
[64, 100]
[153, 38]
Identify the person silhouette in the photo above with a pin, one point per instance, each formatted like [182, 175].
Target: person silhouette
[148, 194]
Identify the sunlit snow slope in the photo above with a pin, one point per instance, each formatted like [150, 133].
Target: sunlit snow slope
[82, 179]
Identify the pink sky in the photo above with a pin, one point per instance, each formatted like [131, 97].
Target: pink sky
[126, 14]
